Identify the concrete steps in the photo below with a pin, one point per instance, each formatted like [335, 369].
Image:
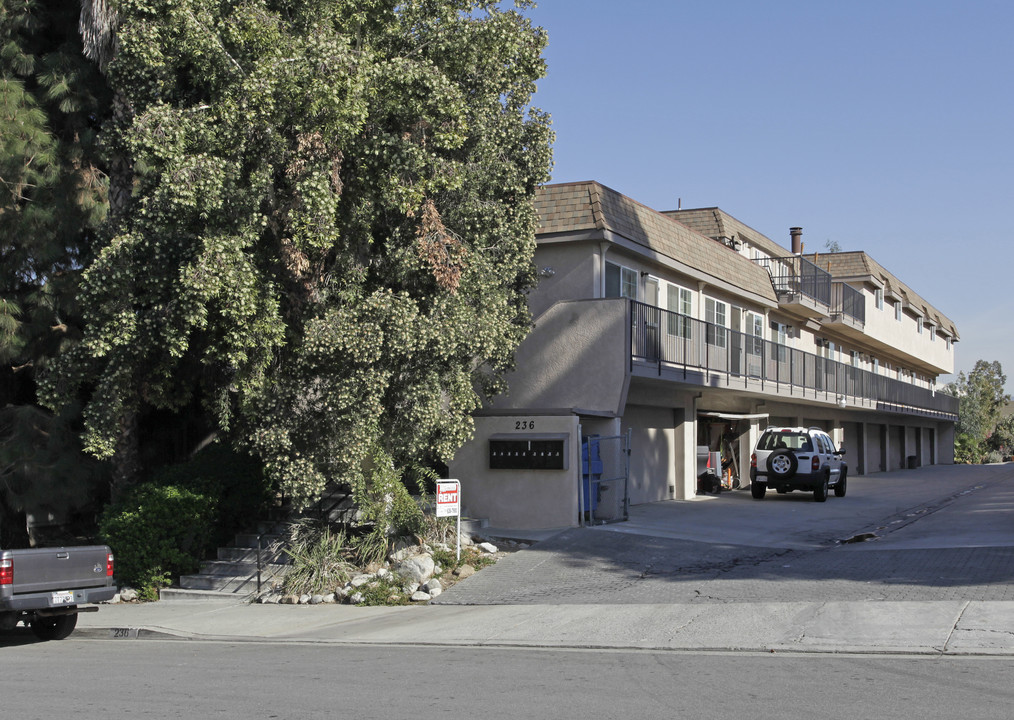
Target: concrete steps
[234, 573]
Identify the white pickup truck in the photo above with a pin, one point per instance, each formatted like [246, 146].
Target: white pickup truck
[45, 588]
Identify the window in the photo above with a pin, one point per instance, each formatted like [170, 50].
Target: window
[680, 304]
[780, 338]
[897, 310]
[621, 281]
[948, 343]
[755, 327]
[854, 354]
[878, 296]
[876, 366]
[918, 325]
[714, 313]
[933, 334]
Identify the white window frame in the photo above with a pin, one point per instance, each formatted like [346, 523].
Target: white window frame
[627, 281]
[716, 314]
[897, 310]
[878, 297]
[780, 338]
[680, 302]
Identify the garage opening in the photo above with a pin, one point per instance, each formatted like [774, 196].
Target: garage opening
[720, 451]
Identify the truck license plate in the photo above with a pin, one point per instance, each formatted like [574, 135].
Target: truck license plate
[63, 598]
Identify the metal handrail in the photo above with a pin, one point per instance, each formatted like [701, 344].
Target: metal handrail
[666, 338]
[795, 275]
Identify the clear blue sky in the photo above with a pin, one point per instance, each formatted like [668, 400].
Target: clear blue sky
[885, 126]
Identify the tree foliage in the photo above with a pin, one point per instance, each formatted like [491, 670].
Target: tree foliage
[980, 415]
[330, 236]
[52, 200]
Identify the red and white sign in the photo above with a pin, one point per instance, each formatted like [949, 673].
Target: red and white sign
[448, 498]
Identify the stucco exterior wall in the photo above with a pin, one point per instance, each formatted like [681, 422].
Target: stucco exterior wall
[519, 498]
[569, 271]
[904, 335]
[576, 357]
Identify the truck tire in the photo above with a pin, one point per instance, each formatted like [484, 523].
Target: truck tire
[840, 486]
[54, 628]
[820, 492]
[757, 490]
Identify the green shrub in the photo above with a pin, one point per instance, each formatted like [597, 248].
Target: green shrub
[233, 479]
[157, 533]
[993, 456]
[383, 591]
[320, 558]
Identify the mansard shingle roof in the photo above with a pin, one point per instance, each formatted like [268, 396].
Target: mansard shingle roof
[590, 206]
[857, 265]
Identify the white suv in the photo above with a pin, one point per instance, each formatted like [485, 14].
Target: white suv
[796, 458]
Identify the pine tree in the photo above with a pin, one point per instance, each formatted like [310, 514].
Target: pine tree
[52, 198]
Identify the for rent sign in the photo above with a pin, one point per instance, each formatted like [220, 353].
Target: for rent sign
[449, 505]
[448, 498]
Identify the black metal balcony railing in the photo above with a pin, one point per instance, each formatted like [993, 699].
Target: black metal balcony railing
[796, 276]
[847, 301]
[670, 339]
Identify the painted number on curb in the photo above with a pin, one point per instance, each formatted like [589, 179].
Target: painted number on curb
[129, 633]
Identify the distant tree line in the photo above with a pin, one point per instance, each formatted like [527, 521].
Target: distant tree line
[985, 428]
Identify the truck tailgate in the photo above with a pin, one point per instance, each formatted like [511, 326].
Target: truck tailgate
[47, 569]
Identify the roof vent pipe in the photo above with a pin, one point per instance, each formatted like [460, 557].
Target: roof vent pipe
[797, 240]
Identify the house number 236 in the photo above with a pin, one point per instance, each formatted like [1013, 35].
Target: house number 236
[524, 425]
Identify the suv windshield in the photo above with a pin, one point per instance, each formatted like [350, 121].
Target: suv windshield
[791, 440]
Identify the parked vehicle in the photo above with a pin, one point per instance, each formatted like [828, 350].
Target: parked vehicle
[797, 458]
[45, 588]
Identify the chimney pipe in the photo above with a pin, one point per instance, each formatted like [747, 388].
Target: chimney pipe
[797, 240]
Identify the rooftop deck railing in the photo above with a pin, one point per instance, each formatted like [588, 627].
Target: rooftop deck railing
[671, 340]
[847, 301]
[795, 275]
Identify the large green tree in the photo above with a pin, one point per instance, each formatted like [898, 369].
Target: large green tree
[983, 398]
[52, 199]
[330, 235]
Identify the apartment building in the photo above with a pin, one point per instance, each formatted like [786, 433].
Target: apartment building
[664, 340]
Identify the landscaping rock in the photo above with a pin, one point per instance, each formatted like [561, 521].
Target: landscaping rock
[487, 547]
[464, 571]
[316, 599]
[359, 580]
[418, 568]
[128, 594]
[420, 596]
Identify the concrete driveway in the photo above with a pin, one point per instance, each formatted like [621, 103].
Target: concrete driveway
[901, 508]
[937, 533]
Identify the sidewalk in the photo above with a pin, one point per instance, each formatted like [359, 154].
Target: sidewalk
[926, 628]
[722, 574]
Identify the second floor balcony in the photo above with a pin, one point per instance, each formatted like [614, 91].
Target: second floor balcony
[698, 352]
